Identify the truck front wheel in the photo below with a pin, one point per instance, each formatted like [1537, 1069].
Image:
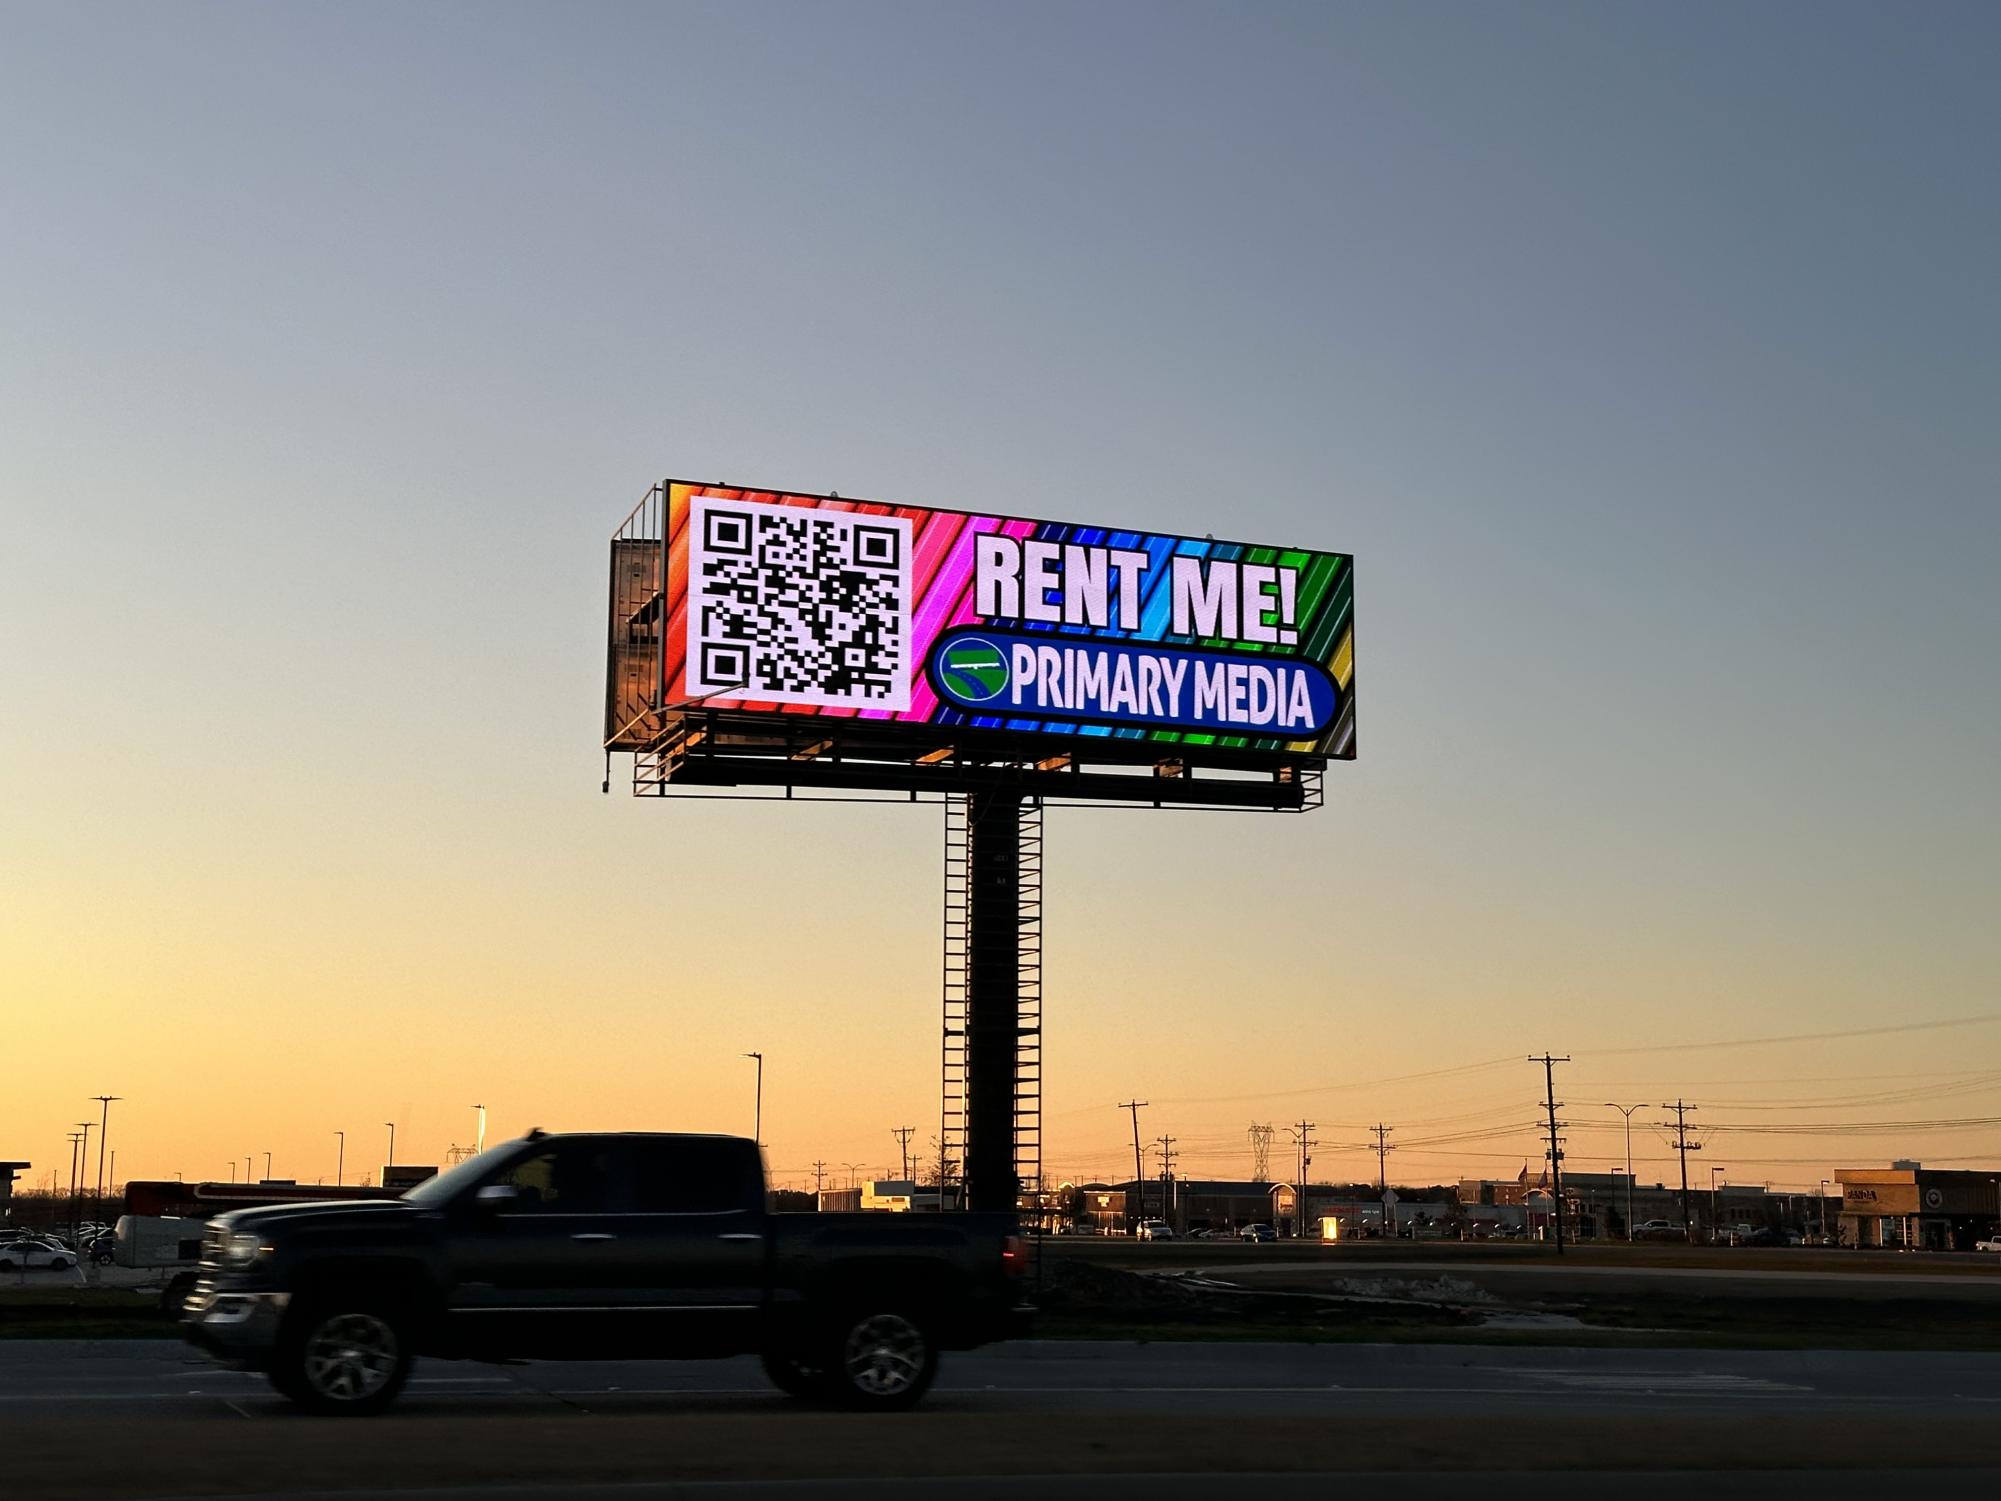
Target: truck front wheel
[882, 1358]
[340, 1355]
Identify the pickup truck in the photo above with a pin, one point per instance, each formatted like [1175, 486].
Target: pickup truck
[600, 1246]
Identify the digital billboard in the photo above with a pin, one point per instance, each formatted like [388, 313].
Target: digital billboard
[816, 605]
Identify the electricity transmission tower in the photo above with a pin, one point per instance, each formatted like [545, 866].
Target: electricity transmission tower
[1260, 1153]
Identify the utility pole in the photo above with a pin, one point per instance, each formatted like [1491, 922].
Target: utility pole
[1302, 1135]
[1679, 1125]
[819, 1178]
[1549, 1063]
[77, 1215]
[903, 1135]
[1166, 1145]
[340, 1163]
[83, 1170]
[1139, 1170]
[1383, 1149]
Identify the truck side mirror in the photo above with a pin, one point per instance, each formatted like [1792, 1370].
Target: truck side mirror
[495, 1197]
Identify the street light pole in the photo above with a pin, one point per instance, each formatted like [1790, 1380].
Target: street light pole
[267, 1167]
[1714, 1169]
[479, 1140]
[1627, 1111]
[392, 1152]
[340, 1163]
[757, 1120]
[103, 1131]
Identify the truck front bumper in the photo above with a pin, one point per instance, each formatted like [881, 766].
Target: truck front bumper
[238, 1328]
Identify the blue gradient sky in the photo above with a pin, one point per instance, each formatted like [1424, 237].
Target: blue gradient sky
[1646, 357]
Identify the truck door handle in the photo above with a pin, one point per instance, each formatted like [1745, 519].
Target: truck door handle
[593, 1235]
[740, 1235]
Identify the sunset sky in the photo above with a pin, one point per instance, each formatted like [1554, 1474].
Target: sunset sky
[1646, 359]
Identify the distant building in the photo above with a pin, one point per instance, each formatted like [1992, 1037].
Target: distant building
[9, 1171]
[1910, 1206]
[887, 1196]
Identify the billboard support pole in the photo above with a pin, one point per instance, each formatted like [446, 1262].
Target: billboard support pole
[993, 996]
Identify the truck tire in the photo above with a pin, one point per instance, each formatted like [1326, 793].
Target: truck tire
[881, 1357]
[347, 1355]
[793, 1373]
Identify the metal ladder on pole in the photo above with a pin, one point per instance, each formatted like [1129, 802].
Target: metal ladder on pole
[1027, 1113]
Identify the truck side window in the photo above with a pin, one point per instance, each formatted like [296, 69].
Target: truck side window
[693, 1176]
[570, 1177]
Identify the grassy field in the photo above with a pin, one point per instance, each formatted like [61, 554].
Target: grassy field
[82, 1313]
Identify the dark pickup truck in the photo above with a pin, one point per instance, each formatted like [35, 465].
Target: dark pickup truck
[600, 1247]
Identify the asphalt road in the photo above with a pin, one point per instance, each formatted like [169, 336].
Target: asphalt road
[135, 1419]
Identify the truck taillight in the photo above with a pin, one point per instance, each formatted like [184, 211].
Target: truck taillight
[1014, 1255]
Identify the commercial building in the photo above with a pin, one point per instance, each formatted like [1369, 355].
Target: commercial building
[886, 1196]
[1909, 1206]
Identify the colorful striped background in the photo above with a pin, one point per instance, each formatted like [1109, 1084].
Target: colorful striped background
[943, 598]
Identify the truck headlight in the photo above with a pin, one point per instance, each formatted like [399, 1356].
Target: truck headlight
[244, 1247]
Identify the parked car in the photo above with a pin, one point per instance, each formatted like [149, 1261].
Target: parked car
[1258, 1233]
[1155, 1230]
[28, 1253]
[600, 1246]
[1992, 1243]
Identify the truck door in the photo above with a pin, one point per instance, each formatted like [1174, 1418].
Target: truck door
[691, 1250]
[532, 1274]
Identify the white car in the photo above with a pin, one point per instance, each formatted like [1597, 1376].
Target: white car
[1988, 1245]
[1155, 1230]
[29, 1253]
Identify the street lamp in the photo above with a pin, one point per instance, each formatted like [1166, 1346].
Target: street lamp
[1822, 1214]
[392, 1151]
[479, 1140]
[851, 1167]
[1715, 1168]
[103, 1132]
[1627, 1111]
[757, 1120]
[267, 1167]
[340, 1163]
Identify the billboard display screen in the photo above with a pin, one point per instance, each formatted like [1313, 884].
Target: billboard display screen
[777, 602]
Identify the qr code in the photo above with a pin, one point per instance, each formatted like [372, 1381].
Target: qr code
[798, 606]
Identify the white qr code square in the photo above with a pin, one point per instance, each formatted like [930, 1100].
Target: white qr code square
[799, 606]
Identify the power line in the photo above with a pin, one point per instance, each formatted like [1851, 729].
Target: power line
[1758, 1042]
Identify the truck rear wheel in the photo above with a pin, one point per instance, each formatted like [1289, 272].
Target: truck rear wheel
[882, 1358]
[342, 1355]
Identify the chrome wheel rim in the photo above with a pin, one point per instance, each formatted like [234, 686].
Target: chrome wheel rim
[884, 1355]
[351, 1357]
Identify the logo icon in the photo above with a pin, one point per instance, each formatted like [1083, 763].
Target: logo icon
[973, 668]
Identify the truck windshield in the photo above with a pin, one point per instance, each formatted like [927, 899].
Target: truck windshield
[448, 1184]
